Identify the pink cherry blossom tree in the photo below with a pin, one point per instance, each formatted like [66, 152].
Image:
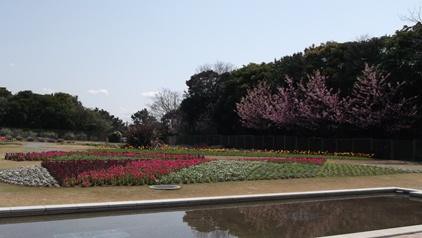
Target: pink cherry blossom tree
[254, 107]
[376, 103]
[308, 105]
[311, 104]
[320, 105]
[283, 109]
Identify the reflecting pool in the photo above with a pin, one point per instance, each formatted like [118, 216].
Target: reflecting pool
[304, 218]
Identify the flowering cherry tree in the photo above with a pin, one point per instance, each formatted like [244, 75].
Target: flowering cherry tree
[254, 106]
[283, 109]
[374, 103]
[320, 105]
[377, 103]
[305, 105]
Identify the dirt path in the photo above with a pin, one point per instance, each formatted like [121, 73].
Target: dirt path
[33, 146]
[12, 195]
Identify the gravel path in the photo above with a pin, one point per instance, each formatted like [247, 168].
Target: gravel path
[35, 176]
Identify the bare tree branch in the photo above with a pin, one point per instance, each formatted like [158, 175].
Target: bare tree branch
[219, 67]
[363, 38]
[413, 16]
[165, 101]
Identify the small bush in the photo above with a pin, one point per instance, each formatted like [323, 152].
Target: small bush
[30, 134]
[69, 136]
[142, 135]
[81, 136]
[5, 132]
[115, 137]
[18, 133]
[48, 134]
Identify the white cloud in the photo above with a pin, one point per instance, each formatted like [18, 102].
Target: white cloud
[47, 90]
[98, 91]
[149, 93]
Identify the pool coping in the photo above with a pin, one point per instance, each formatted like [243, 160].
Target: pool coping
[391, 232]
[195, 201]
[22, 211]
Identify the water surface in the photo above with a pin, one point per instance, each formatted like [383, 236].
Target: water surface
[265, 219]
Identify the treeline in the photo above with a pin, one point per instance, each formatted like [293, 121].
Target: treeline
[59, 112]
[209, 106]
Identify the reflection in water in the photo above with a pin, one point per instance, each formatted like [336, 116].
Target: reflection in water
[245, 220]
[308, 219]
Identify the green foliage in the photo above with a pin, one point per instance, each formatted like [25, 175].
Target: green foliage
[143, 117]
[48, 134]
[69, 136]
[209, 104]
[58, 111]
[141, 135]
[115, 137]
[144, 131]
[5, 132]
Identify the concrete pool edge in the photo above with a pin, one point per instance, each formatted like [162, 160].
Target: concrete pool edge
[390, 232]
[6, 212]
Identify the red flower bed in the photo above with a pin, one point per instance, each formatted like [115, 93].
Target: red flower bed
[314, 161]
[151, 155]
[113, 172]
[38, 156]
[31, 156]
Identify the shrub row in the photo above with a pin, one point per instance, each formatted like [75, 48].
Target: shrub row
[41, 135]
[34, 156]
[250, 152]
[78, 155]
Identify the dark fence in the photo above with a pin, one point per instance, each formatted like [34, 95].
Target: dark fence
[382, 148]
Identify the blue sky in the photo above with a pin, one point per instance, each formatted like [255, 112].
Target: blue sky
[115, 54]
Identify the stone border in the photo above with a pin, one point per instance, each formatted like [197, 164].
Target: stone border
[405, 230]
[6, 212]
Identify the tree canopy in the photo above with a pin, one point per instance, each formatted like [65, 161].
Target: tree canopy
[57, 111]
[209, 105]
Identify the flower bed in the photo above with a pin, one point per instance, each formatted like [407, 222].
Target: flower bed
[34, 156]
[113, 172]
[340, 170]
[314, 161]
[253, 152]
[240, 170]
[78, 155]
